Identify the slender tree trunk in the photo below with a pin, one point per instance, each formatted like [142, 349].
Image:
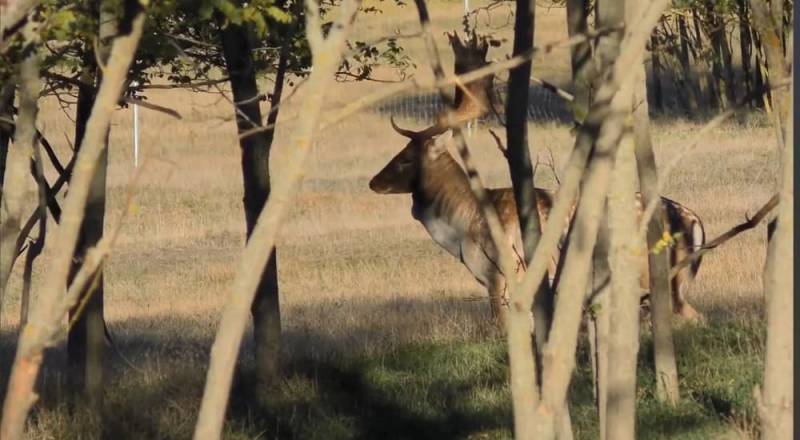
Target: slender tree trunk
[770, 33]
[255, 173]
[519, 160]
[776, 404]
[326, 55]
[607, 13]
[623, 332]
[659, 264]
[15, 184]
[86, 339]
[523, 379]
[599, 321]
[745, 46]
[658, 98]
[692, 89]
[722, 64]
[580, 58]
[50, 307]
[759, 77]
[6, 129]
[522, 178]
[708, 80]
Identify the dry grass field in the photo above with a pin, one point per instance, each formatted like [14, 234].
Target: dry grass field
[369, 303]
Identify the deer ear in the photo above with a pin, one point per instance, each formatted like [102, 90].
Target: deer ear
[439, 144]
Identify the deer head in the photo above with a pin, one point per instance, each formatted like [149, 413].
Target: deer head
[420, 155]
[401, 174]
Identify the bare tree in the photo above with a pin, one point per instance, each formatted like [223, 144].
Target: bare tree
[326, 53]
[255, 148]
[51, 306]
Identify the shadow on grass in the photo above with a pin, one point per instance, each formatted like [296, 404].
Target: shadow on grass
[420, 390]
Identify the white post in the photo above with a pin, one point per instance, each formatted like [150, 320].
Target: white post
[135, 135]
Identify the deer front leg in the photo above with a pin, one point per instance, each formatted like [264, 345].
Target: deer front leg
[498, 300]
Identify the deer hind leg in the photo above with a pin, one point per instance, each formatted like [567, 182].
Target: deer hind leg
[679, 285]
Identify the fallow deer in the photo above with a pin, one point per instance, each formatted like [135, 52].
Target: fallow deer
[446, 206]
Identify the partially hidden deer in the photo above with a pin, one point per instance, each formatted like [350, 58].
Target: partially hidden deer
[446, 206]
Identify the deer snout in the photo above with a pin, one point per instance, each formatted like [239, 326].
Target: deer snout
[376, 186]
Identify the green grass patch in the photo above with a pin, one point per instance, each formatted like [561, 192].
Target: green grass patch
[435, 390]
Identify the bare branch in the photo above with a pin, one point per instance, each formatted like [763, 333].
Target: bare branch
[151, 106]
[191, 85]
[499, 143]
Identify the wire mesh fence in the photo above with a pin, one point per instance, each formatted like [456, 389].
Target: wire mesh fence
[544, 106]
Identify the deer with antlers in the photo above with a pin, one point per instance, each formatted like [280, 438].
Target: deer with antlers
[446, 206]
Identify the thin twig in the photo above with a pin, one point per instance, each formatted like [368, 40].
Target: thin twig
[151, 106]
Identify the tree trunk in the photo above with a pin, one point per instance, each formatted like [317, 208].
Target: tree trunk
[255, 174]
[599, 321]
[721, 65]
[658, 98]
[580, 58]
[522, 178]
[86, 338]
[708, 85]
[659, 264]
[692, 89]
[623, 332]
[15, 184]
[759, 74]
[6, 130]
[779, 70]
[777, 402]
[745, 46]
[50, 308]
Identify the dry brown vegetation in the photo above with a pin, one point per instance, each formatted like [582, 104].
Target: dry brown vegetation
[358, 275]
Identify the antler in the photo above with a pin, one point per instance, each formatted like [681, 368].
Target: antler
[425, 134]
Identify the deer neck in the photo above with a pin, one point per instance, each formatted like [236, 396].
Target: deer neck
[444, 203]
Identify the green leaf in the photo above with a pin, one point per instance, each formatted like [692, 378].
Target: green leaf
[279, 15]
